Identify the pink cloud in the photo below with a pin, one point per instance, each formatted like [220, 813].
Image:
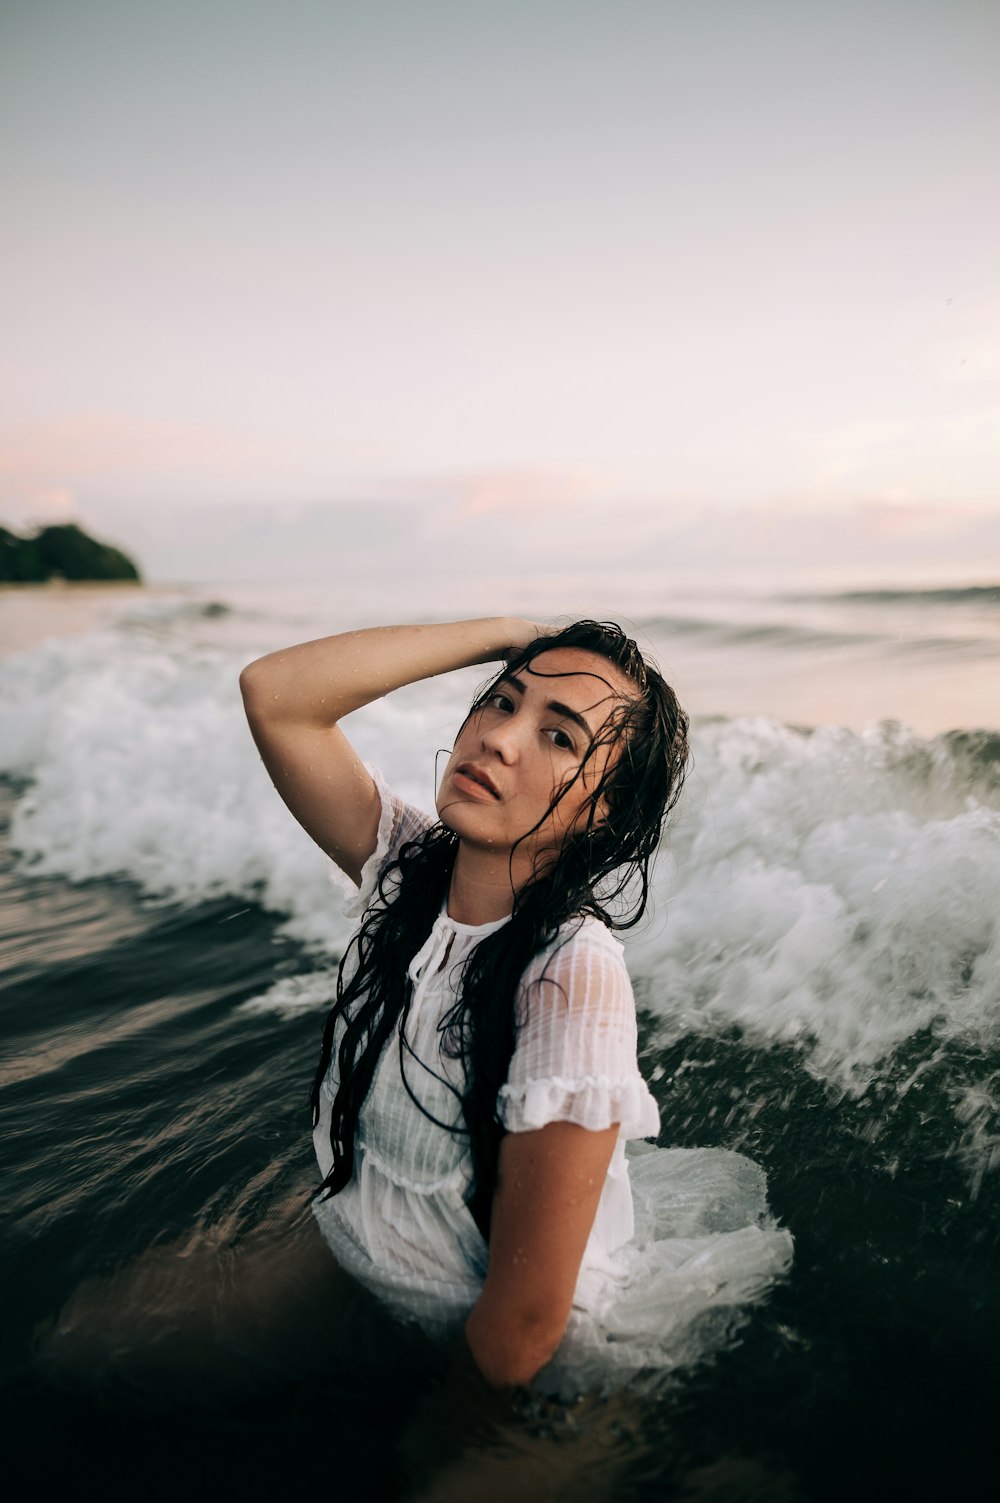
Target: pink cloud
[37, 457]
[519, 492]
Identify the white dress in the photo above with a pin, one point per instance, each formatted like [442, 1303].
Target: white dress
[681, 1237]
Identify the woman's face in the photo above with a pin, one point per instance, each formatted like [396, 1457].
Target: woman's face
[514, 754]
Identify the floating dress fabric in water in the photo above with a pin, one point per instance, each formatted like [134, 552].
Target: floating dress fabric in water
[681, 1238]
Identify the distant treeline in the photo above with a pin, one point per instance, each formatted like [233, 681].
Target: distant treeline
[63, 552]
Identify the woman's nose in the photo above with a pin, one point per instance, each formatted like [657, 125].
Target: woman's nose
[503, 738]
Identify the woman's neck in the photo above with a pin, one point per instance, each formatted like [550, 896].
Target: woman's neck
[482, 886]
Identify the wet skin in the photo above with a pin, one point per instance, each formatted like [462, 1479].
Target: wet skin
[510, 761]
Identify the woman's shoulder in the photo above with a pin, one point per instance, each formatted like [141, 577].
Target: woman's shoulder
[576, 1057]
[400, 822]
[583, 936]
[582, 966]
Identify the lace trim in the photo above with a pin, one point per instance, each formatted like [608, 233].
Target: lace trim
[591, 1101]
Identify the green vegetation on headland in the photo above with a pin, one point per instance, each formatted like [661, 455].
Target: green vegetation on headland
[63, 552]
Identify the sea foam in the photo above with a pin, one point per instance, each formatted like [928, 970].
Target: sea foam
[827, 889]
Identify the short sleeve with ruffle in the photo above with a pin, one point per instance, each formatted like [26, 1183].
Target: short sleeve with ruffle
[576, 1053]
[398, 824]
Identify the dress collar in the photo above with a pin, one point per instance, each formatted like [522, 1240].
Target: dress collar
[479, 930]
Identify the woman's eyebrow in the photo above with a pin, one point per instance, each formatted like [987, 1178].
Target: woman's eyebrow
[557, 708]
[573, 715]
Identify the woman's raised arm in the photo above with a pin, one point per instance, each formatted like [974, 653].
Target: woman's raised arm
[294, 699]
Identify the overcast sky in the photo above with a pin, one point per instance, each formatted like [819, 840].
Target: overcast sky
[713, 281]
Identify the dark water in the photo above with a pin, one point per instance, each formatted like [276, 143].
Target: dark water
[173, 1328]
[819, 987]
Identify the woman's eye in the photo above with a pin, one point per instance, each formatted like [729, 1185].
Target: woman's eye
[501, 701]
[559, 738]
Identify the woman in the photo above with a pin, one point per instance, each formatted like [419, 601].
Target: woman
[478, 1079]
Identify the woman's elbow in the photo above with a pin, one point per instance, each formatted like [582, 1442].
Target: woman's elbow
[252, 686]
[511, 1349]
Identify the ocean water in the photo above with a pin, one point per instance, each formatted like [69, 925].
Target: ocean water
[819, 988]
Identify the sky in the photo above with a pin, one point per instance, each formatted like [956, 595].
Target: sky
[518, 287]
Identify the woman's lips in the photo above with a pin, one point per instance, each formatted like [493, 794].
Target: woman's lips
[477, 779]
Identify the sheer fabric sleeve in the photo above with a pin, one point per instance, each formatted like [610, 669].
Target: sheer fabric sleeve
[399, 823]
[576, 1053]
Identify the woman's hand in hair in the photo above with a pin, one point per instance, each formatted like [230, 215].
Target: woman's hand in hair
[523, 634]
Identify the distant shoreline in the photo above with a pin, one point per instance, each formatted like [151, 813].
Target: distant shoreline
[62, 552]
[57, 582]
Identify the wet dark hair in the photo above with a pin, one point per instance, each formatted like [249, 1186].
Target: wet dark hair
[601, 869]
